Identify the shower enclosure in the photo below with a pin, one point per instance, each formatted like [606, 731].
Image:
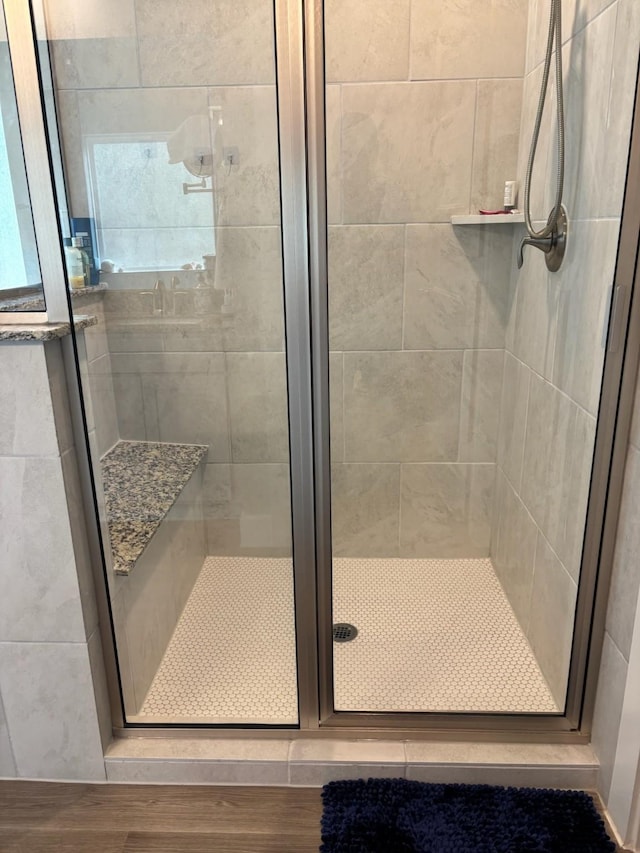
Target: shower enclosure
[318, 391]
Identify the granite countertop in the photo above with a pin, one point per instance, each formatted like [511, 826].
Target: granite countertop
[43, 331]
[89, 291]
[22, 303]
[36, 303]
[141, 483]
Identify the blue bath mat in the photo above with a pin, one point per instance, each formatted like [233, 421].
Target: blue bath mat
[400, 816]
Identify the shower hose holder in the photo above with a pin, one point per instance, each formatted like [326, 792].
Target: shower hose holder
[553, 246]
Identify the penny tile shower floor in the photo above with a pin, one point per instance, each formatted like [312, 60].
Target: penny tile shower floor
[434, 635]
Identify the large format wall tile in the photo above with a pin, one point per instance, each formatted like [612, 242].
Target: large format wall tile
[70, 131]
[258, 414]
[103, 402]
[402, 406]
[127, 389]
[83, 369]
[333, 142]
[541, 176]
[513, 418]
[583, 310]
[594, 179]
[49, 704]
[623, 87]
[406, 151]
[445, 510]
[366, 266]
[468, 38]
[553, 602]
[131, 111]
[365, 510]
[534, 328]
[185, 401]
[66, 20]
[576, 14]
[336, 406]
[95, 63]
[247, 193]
[495, 142]
[7, 764]
[26, 411]
[249, 264]
[366, 41]
[247, 509]
[480, 405]
[557, 469]
[625, 580]
[81, 549]
[219, 42]
[39, 600]
[513, 547]
[124, 339]
[590, 142]
[101, 688]
[184, 398]
[261, 496]
[457, 287]
[95, 337]
[606, 716]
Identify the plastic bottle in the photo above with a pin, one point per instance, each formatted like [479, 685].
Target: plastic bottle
[78, 243]
[75, 266]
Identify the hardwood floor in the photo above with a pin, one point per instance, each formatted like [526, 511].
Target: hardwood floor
[78, 818]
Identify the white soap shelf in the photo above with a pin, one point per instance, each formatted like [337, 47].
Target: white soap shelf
[483, 219]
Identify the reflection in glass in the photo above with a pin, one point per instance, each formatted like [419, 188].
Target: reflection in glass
[170, 147]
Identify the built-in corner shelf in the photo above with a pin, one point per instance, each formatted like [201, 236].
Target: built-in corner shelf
[481, 219]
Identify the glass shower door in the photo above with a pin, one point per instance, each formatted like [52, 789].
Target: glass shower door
[169, 137]
[464, 393]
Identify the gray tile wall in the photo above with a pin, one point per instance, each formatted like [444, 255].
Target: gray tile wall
[417, 132]
[421, 313]
[556, 327]
[100, 399]
[418, 308]
[621, 614]
[49, 724]
[195, 380]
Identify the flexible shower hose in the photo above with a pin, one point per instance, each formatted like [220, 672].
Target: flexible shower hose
[555, 33]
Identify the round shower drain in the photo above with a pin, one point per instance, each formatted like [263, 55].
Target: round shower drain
[343, 632]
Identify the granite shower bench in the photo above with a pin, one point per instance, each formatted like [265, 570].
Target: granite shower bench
[154, 517]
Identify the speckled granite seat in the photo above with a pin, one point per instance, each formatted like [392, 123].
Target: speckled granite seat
[142, 481]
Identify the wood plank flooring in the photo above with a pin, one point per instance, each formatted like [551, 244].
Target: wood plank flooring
[81, 818]
[39, 817]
